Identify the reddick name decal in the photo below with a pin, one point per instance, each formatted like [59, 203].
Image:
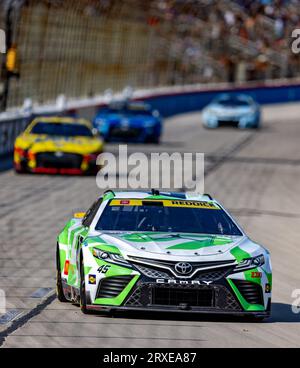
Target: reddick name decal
[183, 282]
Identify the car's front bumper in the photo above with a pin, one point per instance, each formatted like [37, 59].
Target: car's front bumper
[146, 285]
[109, 309]
[52, 163]
[215, 297]
[240, 121]
[134, 134]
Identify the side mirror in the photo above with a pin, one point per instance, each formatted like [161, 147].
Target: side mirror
[79, 215]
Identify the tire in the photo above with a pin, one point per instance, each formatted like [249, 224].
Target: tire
[82, 289]
[208, 127]
[20, 170]
[156, 140]
[59, 288]
[153, 139]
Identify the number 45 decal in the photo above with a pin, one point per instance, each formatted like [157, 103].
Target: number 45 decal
[103, 269]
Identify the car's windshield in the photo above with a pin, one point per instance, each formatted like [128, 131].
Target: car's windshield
[233, 101]
[166, 216]
[62, 129]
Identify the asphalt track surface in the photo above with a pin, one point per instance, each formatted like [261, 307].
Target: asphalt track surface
[255, 174]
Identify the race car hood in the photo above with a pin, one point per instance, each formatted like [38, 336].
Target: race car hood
[43, 143]
[230, 110]
[154, 245]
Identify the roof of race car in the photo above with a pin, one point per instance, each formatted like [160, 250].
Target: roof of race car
[131, 105]
[155, 194]
[61, 119]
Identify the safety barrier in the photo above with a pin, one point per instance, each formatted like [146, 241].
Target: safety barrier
[9, 130]
[181, 102]
[169, 101]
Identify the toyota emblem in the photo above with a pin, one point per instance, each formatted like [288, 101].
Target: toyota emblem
[183, 268]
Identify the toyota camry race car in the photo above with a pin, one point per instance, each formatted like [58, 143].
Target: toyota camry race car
[129, 122]
[232, 110]
[162, 252]
[58, 145]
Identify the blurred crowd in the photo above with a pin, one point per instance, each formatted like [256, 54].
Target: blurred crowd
[243, 39]
[211, 40]
[115, 43]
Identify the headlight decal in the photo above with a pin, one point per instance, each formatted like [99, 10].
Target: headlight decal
[97, 243]
[250, 263]
[239, 254]
[251, 269]
[109, 257]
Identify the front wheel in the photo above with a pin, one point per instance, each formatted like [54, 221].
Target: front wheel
[59, 288]
[82, 289]
[153, 139]
[19, 169]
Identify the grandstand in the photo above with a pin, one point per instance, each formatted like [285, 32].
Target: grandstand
[84, 47]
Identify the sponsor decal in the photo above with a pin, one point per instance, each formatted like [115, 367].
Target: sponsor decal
[79, 215]
[256, 275]
[166, 203]
[183, 282]
[124, 202]
[92, 279]
[268, 288]
[66, 268]
[193, 204]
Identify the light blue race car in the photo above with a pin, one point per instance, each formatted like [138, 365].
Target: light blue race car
[232, 110]
[129, 122]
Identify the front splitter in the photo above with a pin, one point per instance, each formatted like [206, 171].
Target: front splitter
[107, 309]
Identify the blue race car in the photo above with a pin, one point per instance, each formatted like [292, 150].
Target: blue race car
[232, 110]
[129, 122]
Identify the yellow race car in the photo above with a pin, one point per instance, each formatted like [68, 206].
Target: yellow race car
[58, 145]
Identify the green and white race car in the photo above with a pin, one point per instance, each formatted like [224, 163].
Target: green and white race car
[162, 252]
